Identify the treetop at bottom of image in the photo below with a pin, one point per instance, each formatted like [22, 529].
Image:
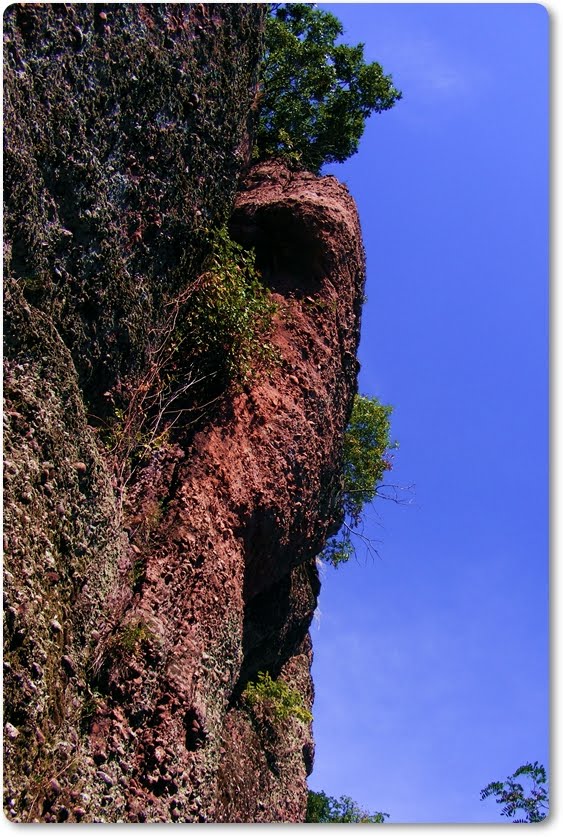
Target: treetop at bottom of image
[532, 801]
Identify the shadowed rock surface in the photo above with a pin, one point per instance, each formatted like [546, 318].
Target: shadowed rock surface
[134, 621]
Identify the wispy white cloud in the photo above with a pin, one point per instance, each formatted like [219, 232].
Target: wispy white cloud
[438, 84]
[421, 61]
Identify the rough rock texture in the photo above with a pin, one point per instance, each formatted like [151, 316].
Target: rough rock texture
[125, 132]
[62, 547]
[133, 623]
[229, 582]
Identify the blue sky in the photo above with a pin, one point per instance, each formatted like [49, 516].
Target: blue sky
[431, 661]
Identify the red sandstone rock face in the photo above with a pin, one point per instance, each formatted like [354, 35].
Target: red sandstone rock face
[230, 584]
[223, 530]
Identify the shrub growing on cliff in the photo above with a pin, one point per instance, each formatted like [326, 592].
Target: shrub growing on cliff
[131, 636]
[316, 94]
[323, 808]
[367, 453]
[277, 697]
[366, 457]
[229, 317]
[214, 333]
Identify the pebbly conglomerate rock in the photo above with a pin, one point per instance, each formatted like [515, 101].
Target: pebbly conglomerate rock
[134, 619]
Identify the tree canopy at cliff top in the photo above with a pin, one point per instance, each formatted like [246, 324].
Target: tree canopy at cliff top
[316, 93]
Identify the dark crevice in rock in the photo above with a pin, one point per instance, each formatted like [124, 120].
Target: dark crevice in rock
[276, 621]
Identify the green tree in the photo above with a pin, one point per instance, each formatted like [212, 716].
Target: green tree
[316, 94]
[532, 800]
[323, 808]
[367, 455]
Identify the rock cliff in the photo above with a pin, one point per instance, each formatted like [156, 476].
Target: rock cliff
[135, 618]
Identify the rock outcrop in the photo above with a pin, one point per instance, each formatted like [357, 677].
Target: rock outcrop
[135, 620]
[126, 127]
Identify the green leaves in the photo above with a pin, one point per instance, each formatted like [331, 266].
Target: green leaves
[323, 808]
[367, 448]
[276, 697]
[366, 457]
[532, 801]
[316, 94]
[229, 316]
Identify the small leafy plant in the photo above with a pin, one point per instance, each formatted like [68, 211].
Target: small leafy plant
[277, 697]
[213, 335]
[132, 635]
[367, 455]
[229, 318]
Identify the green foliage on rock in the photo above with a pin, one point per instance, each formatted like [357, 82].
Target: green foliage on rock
[366, 457]
[214, 335]
[532, 801]
[316, 93]
[228, 318]
[131, 636]
[276, 697]
[323, 808]
[367, 446]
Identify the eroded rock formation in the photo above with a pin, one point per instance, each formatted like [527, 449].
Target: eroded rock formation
[134, 622]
